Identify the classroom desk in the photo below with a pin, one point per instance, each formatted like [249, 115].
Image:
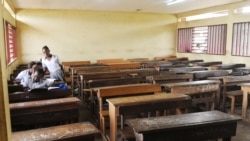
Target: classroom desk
[208, 85]
[246, 89]
[187, 127]
[242, 69]
[115, 103]
[227, 66]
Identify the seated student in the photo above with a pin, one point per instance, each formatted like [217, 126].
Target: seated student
[26, 73]
[37, 80]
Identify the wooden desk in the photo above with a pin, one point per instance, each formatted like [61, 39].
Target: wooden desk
[203, 75]
[28, 96]
[115, 103]
[24, 114]
[196, 87]
[207, 64]
[227, 66]
[246, 89]
[242, 69]
[187, 69]
[187, 127]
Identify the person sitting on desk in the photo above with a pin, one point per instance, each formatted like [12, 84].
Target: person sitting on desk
[52, 64]
[26, 73]
[38, 80]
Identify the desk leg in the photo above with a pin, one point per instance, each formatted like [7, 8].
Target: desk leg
[113, 122]
[227, 139]
[244, 104]
[217, 104]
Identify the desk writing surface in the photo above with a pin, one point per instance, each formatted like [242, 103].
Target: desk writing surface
[56, 132]
[118, 86]
[157, 97]
[180, 121]
[40, 103]
[199, 82]
[245, 84]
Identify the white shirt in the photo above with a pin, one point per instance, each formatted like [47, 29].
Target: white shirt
[22, 75]
[53, 64]
[42, 83]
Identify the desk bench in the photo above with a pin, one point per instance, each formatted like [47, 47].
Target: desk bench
[187, 127]
[202, 91]
[145, 103]
[84, 131]
[121, 91]
[29, 96]
[44, 112]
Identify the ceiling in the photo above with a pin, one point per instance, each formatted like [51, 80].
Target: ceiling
[152, 6]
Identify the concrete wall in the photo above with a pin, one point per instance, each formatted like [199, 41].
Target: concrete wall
[90, 35]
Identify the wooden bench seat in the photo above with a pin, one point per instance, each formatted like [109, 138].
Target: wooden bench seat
[231, 89]
[44, 112]
[84, 131]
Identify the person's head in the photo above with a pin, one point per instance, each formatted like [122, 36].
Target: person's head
[32, 66]
[38, 74]
[46, 51]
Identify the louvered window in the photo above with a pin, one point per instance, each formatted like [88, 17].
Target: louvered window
[241, 39]
[10, 38]
[205, 39]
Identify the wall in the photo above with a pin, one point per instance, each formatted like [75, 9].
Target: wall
[91, 35]
[229, 20]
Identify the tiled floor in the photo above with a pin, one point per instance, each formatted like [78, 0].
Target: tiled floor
[243, 127]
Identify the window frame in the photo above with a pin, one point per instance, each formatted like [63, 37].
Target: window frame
[10, 43]
[240, 47]
[212, 48]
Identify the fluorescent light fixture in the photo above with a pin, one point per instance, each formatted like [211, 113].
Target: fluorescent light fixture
[170, 2]
[246, 9]
[205, 16]
[242, 10]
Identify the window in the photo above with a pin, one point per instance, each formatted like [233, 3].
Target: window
[205, 39]
[199, 39]
[10, 38]
[241, 39]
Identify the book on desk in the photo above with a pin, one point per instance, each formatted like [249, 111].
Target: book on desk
[35, 90]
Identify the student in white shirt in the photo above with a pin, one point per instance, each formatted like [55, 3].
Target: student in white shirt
[37, 80]
[26, 73]
[51, 63]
